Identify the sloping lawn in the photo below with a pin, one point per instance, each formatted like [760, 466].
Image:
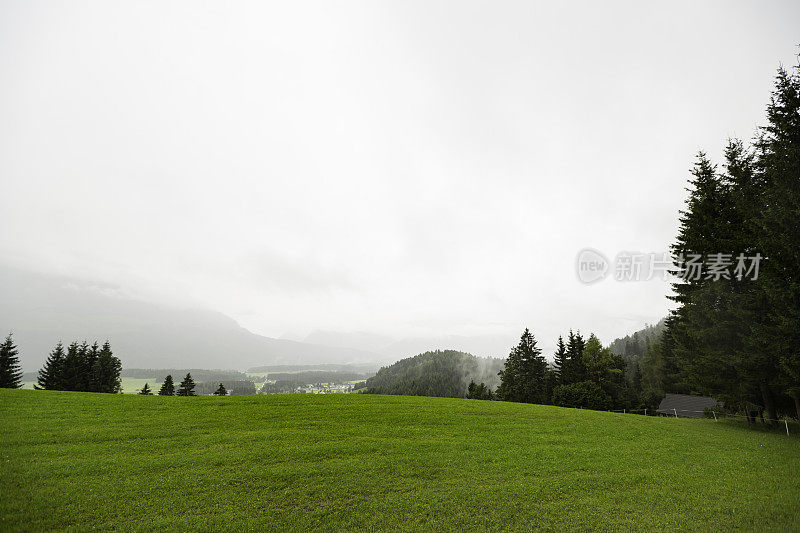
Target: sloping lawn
[293, 462]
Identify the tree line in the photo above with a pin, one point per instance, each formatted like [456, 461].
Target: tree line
[735, 332]
[198, 374]
[736, 335]
[185, 388]
[188, 385]
[81, 367]
[232, 388]
[87, 368]
[583, 374]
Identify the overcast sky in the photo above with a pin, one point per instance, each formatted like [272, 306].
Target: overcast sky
[407, 168]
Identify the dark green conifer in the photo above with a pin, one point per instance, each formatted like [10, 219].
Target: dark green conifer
[168, 387]
[777, 163]
[89, 381]
[560, 358]
[524, 377]
[573, 369]
[186, 387]
[51, 375]
[106, 371]
[10, 373]
[73, 368]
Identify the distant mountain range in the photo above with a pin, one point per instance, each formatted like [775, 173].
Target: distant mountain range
[42, 310]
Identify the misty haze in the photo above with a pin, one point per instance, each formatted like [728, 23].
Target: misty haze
[399, 266]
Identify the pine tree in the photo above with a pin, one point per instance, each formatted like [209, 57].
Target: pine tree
[168, 387]
[736, 337]
[72, 369]
[106, 371]
[576, 358]
[573, 369]
[724, 327]
[10, 373]
[778, 167]
[703, 348]
[89, 381]
[221, 391]
[741, 304]
[146, 390]
[524, 377]
[51, 375]
[186, 388]
[560, 359]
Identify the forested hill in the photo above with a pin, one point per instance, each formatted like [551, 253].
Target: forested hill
[444, 373]
[633, 347]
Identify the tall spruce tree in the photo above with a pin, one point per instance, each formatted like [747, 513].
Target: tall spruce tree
[168, 387]
[566, 370]
[777, 164]
[574, 369]
[73, 368]
[701, 326]
[560, 359]
[737, 337]
[106, 371]
[186, 388]
[51, 375]
[10, 373]
[741, 306]
[524, 378]
[88, 381]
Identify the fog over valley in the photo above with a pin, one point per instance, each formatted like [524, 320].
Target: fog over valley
[463, 265]
[388, 178]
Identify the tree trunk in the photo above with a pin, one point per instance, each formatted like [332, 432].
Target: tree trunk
[766, 396]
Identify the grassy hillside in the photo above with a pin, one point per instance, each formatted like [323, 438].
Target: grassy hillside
[362, 461]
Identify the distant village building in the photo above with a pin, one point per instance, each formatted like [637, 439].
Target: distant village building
[685, 405]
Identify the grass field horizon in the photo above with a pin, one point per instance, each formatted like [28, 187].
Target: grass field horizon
[83, 460]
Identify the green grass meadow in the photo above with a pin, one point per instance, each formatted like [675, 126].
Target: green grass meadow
[342, 462]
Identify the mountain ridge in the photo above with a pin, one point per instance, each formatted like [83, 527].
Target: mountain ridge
[43, 310]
